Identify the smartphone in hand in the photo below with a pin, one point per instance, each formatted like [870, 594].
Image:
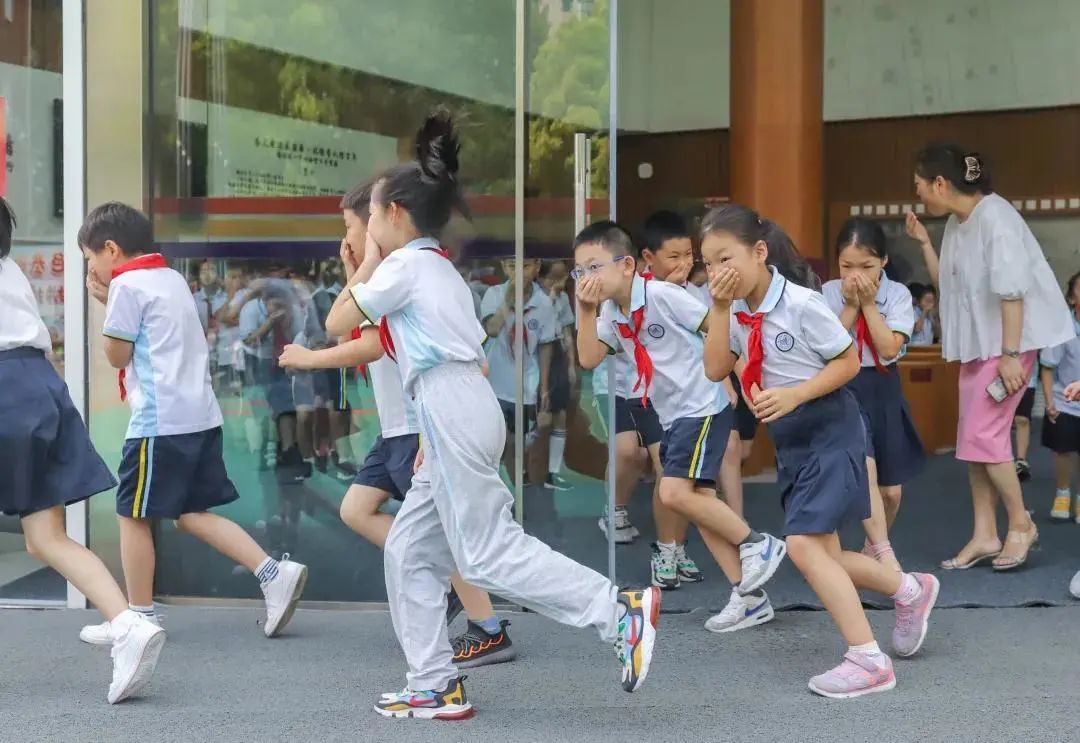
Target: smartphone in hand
[997, 390]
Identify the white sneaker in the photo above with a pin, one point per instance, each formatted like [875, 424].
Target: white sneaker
[624, 530]
[741, 612]
[136, 648]
[283, 594]
[1074, 585]
[759, 561]
[98, 634]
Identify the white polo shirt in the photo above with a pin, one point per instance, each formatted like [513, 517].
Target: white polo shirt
[428, 308]
[564, 313]
[989, 257]
[541, 326]
[1064, 359]
[924, 337]
[397, 416]
[670, 332]
[800, 333]
[168, 378]
[21, 325]
[893, 301]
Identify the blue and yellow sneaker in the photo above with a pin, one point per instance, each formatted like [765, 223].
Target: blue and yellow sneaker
[449, 704]
[637, 635]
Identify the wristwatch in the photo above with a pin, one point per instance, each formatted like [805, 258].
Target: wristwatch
[1012, 354]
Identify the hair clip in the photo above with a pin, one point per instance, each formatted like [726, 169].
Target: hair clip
[973, 169]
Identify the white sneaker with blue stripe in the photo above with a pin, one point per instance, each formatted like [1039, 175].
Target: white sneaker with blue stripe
[760, 561]
[741, 612]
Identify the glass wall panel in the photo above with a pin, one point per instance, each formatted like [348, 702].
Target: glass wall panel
[31, 167]
[261, 115]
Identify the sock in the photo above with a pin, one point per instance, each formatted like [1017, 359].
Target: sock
[147, 612]
[1064, 492]
[669, 546]
[267, 570]
[758, 594]
[909, 590]
[556, 447]
[870, 648]
[752, 538]
[490, 625]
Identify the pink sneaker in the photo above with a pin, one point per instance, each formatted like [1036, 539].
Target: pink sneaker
[859, 674]
[912, 621]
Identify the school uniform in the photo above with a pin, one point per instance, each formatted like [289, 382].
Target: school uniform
[990, 256]
[821, 445]
[662, 335]
[892, 440]
[632, 413]
[923, 336]
[172, 460]
[458, 510]
[389, 464]
[1063, 435]
[540, 327]
[559, 396]
[46, 456]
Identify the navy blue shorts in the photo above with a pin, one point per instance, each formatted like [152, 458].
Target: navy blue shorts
[164, 477]
[746, 422]
[332, 386]
[692, 448]
[559, 383]
[1063, 435]
[46, 458]
[631, 415]
[821, 465]
[508, 415]
[389, 465]
[892, 440]
[1027, 402]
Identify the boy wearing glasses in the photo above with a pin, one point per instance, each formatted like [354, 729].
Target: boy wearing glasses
[660, 326]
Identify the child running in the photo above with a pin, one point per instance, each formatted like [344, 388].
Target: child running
[388, 469]
[879, 315]
[458, 511]
[658, 324]
[1061, 429]
[798, 359]
[48, 462]
[172, 465]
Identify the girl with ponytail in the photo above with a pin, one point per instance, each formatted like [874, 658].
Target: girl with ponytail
[458, 510]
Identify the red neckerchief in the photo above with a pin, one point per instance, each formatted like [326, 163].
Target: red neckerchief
[385, 338]
[362, 368]
[862, 339]
[150, 260]
[755, 352]
[642, 359]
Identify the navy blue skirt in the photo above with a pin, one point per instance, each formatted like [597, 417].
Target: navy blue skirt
[821, 465]
[45, 452]
[892, 441]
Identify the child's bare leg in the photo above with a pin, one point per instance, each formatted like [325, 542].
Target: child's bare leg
[477, 603]
[360, 512]
[876, 527]
[724, 552]
[671, 526]
[138, 558]
[814, 555]
[678, 494]
[225, 536]
[890, 496]
[47, 541]
[731, 474]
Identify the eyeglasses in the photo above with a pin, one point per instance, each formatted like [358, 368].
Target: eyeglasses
[577, 274]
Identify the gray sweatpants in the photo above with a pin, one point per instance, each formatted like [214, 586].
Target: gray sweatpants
[459, 512]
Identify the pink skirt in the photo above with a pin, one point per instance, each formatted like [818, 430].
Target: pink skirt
[984, 431]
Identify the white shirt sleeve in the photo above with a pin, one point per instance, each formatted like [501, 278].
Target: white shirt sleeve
[735, 336]
[682, 307]
[834, 296]
[899, 312]
[565, 313]
[489, 305]
[387, 291]
[549, 323]
[821, 329]
[1051, 357]
[1010, 267]
[123, 313]
[605, 331]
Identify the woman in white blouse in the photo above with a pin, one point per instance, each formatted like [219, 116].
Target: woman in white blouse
[999, 304]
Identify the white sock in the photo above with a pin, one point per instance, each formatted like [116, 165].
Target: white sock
[669, 546]
[267, 570]
[146, 611]
[871, 649]
[909, 590]
[1064, 491]
[556, 448]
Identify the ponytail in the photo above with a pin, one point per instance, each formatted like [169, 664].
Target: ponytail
[748, 228]
[428, 188]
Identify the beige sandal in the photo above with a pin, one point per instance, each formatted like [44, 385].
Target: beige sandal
[953, 563]
[1027, 538]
